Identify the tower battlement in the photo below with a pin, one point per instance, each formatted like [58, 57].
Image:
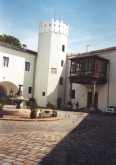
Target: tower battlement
[54, 26]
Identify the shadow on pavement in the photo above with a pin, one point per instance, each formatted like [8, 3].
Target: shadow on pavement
[92, 142]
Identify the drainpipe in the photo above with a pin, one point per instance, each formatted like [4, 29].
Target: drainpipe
[65, 83]
[108, 86]
[70, 90]
[92, 108]
[94, 91]
[34, 75]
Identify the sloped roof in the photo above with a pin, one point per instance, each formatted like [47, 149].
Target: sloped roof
[18, 49]
[92, 53]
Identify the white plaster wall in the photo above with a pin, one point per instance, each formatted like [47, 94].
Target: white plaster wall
[80, 94]
[51, 38]
[29, 77]
[15, 72]
[81, 91]
[67, 85]
[103, 90]
[102, 97]
[54, 89]
[41, 79]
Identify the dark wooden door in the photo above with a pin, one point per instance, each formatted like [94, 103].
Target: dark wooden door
[89, 99]
[96, 100]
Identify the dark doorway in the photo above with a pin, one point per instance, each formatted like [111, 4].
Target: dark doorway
[96, 100]
[89, 99]
[2, 91]
[59, 102]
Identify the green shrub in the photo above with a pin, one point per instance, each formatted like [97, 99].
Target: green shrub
[51, 106]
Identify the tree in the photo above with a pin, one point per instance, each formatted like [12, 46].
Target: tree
[11, 40]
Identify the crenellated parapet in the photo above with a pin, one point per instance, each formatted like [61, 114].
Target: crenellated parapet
[54, 26]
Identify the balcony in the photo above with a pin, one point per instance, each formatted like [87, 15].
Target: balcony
[86, 70]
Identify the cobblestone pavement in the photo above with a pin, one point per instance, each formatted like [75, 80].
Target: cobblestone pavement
[92, 142]
[77, 139]
[27, 143]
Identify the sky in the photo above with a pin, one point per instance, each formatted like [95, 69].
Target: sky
[91, 22]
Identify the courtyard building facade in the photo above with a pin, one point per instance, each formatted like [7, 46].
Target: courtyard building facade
[92, 78]
[55, 78]
[17, 67]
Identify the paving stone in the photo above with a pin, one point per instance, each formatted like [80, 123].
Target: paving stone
[26, 143]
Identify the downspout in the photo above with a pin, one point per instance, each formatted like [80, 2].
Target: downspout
[92, 108]
[94, 92]
[34, 75]
[70, 94]
[108, 86]
[65, 83]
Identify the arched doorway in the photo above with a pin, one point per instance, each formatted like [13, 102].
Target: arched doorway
[7, 88]
[2, 91]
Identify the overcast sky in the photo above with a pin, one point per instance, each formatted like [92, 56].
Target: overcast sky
[92, 22]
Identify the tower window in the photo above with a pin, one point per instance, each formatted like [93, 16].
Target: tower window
[43, 93]
[62, 62]
[54, 70]
[73, 94]
[29, 90]
[27, 66]
[61, 81]
[5, 61]
[63, 48]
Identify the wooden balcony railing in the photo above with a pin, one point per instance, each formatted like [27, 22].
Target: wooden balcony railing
[86, 70]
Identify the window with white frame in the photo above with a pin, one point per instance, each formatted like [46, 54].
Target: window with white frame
[63, 48]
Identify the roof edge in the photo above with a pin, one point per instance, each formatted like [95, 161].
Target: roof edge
[94, 52]
[6, 45]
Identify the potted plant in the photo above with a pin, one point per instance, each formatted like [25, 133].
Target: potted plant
[2, 103]
[1, 110]
[33, 108]
[69, 105]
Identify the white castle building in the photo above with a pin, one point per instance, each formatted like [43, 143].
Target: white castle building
[49, 78]
[42, 73]
[52, 77]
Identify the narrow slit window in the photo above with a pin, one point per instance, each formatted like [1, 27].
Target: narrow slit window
[5, 61]
[27, 66]
[73, 94]
[43, 93]
[61, 81]
[62, 62]
[63, 48]
[29, 90]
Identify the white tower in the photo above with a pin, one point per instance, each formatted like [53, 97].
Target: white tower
[49, 80]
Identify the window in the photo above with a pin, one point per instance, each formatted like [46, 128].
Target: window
[27, 66]
[29, 90]
[61, 81]
[62, 63]
[5, 61]
[54, 70]
[43, 93]
[73, 94]
[63, 48]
